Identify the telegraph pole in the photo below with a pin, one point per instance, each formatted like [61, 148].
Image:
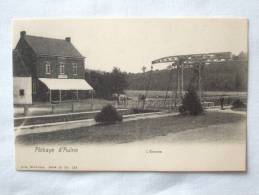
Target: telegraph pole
[182, 84]
[199, 81]
[179, 77]
[148, 85]
[173, 103]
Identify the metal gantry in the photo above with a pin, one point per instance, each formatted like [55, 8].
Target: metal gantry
[180, 62]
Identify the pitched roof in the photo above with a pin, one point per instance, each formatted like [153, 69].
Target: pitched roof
[52, 47]
[19, 68]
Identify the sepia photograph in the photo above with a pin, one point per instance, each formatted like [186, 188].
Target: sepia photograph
[130, 94]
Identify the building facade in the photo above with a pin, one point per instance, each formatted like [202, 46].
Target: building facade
[55, 66]
[22, 81]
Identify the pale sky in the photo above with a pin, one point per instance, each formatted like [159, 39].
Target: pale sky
[131, 44]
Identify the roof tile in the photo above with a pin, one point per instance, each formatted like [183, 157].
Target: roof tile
[52, 47]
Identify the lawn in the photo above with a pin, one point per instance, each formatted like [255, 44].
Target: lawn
[45, 108]
[208, 96]
[136, 130]
[135, 93]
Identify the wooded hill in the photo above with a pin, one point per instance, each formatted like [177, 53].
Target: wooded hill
[218, 76]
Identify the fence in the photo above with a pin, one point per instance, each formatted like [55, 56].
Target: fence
[161, 104]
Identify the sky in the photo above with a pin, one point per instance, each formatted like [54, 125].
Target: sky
[133, 43]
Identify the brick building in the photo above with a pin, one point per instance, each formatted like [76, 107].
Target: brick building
[55, 66]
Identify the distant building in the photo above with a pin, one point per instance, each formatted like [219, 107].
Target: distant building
[47, 69]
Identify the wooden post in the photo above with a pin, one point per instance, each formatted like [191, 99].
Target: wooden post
[199, 81]
[60, 99]
[148, 86]
[182, 69]
[50, 100]
[26, 109]
[92, 97]
[171, 104]
[177, 84]
[77, 94]
[73, 108]
[50, 96]
[179, 79]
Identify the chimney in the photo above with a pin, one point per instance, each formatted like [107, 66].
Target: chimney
[22, 34]
[68, 39]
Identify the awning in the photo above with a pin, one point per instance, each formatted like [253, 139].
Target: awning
[66, 84]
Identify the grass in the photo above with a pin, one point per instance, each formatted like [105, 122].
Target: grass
[40, 108]
[133, 130]
[208, 96]
[62, 118]
[135, 93]
[239, 109]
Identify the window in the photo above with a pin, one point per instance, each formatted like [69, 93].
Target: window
[74, 65]
[48, 68]
[21, 92]
[61, 68]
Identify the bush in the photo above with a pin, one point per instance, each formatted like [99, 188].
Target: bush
[182, 109]
[108, 114]
[238, 104]
[191, 103]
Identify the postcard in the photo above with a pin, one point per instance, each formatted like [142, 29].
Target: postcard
[130, 94]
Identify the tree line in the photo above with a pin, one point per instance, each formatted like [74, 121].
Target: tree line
[105, 84]
[221, 76]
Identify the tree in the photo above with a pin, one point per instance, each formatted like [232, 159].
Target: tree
[118, 81]
[213, 77]
[105, 83]
[242, 55]
[238, 103]
[191, 103]
[238, 81]
[100, 81]
[144, 69]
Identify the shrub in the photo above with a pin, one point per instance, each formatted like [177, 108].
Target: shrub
[191, 103]
[238, 104]
[182, 109]
[108, 114]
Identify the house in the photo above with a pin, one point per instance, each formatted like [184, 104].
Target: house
[22, 81]
[55, 66]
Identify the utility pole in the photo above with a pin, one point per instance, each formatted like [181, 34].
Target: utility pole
[172, 100]
[179, 77]
[145, 86]
[177, 84]
[144, 74]
[199, 81]
[148, 85]
[182, 84]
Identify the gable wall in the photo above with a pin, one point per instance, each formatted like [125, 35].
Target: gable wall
[28, 56]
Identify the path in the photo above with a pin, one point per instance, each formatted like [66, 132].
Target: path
[61, 126]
